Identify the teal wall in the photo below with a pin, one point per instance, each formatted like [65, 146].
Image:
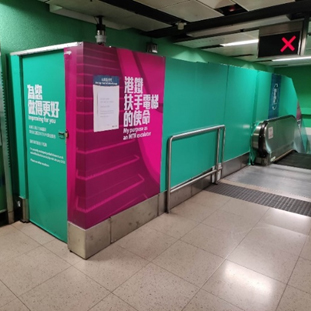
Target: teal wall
[166, 48]
[204, 95]
[239, 110]
[19, 170]
[302, 81]
[2, 184]
[261, 110]
[288, 98]
[194, 98]
[29, 24]
[25, 25]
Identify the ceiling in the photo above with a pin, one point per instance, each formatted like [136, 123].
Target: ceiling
[203, 24]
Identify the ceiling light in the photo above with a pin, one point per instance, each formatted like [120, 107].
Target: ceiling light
[180, 25]
[240, 42]
[292, 58]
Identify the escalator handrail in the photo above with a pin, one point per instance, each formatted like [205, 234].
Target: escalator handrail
[280, 118]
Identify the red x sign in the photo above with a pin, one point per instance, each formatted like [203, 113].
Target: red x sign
[288, 44]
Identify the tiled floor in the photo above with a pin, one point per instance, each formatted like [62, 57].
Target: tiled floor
[211, 253]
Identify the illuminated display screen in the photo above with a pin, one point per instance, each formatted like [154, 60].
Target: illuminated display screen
[280, 44]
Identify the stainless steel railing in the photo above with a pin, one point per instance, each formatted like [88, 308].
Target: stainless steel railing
[218, 165]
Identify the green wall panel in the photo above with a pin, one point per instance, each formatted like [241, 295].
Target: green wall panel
[302, 81]
[239, 110]
[307, 121]
[2, 184]
[194, 98]
[262, 96]
[19, 116]
[288, 98]
[29, 24]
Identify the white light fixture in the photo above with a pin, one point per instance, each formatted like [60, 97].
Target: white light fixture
[240, 42]
[180, 25]
[289, 59]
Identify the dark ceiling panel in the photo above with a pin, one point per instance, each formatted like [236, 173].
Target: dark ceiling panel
[144, 10]
[283, 9]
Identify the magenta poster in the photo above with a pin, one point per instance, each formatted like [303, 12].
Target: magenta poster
[114, 119]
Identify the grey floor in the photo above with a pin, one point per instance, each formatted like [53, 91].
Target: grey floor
[211, 253]
[288, 180]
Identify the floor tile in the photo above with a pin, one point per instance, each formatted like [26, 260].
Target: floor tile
[209, 198]
[188, 262]
[287, 220]
[155, 289]
[7, 230]
[35, 233]
[112, 266]
[31, 269]
[67, 291]
[195, 211]
[306, 251]
[215, 241]
[295, 300]
[245, 288]
[205, 301]
[112, 303]
[18, 225]
[245, 209]
[172, 224]
[60, 249]
[146, 243]
[283, 239]
[265, 259]
[230, 222]
[301, 277]
[6, 295]
[15, 244]
[15, 305]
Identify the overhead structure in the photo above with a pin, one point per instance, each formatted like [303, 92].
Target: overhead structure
[203, 24]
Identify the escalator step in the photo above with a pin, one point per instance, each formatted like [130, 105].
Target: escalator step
[295, 159]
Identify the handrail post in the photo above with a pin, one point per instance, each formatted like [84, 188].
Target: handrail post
[169, 169]
[217, 155]
[223, 144]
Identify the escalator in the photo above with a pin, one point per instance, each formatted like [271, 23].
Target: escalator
[280, 141]
[282, 179]
[296, 159]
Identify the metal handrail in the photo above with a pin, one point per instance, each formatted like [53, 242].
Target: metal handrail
[170, 189]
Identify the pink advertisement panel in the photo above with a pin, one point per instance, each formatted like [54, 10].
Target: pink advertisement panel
[114, 119]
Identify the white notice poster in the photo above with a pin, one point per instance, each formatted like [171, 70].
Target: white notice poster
[106, 107]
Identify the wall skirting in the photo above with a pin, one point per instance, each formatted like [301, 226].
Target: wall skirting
[86, 243]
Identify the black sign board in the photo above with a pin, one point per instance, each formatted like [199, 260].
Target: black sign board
[279, 44]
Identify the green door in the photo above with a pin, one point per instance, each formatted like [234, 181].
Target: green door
[45, 113]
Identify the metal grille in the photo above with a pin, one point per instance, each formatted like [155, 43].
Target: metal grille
[263, 198]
